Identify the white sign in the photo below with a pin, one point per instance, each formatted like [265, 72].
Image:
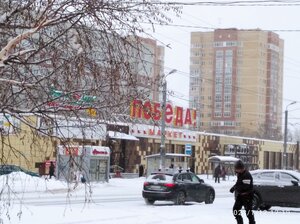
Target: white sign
[96, 150]
[150, 131]
[88, 150]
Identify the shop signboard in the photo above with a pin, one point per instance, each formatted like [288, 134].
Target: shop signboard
[175, 116]
[151, 131]
[84, 150]
[96, 150]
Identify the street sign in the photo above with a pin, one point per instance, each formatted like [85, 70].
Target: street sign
[188, 149]
[71, 100]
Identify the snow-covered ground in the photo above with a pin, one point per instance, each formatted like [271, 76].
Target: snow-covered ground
[36, 200]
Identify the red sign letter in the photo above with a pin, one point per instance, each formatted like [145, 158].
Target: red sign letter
[178, 119]
[169, 113]
[136, 109]
[188, 119]
[194, 118]
[147, 110]
[156, 112]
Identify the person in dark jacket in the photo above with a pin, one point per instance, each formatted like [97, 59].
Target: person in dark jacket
[243, 190]
[51, 170]
[217, 174]
[141, 170]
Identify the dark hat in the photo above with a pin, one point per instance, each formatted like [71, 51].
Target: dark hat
[239, 165]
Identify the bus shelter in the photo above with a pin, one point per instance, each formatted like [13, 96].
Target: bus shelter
[92, 162]
[173, 162]
[226, 163]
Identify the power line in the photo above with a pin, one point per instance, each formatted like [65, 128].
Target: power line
[213, 28]
[277, 3]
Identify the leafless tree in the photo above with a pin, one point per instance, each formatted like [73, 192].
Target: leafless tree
[69, 59]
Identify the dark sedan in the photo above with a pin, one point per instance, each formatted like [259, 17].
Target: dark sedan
[7, 169]
[179, 188]
[276, 188]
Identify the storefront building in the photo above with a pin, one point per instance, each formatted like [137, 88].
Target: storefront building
[130, 143]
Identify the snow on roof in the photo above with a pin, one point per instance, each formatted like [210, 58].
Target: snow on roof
[291, 172]
[229, 159]
[168, 155]
[130, 123]
[120, 135]
[241, 137]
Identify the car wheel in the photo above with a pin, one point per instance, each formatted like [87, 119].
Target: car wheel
[255, 202]
[149, 201]
[180, 198]
[265, 207]
[210, 197]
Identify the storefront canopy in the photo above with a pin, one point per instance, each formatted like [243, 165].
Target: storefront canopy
[120, 135]
[222, 159]
[80, 129]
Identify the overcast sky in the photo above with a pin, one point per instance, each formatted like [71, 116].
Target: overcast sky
[246, 17]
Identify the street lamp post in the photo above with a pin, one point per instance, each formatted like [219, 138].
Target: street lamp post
[284, 160]
[163, 122]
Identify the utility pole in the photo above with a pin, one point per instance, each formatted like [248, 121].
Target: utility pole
[163, 122]
[284, 159]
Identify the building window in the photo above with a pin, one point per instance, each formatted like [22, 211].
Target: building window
[218, 114]
[218, 89]
[227, 98]
[227, 114]
[218, 106]
[218, 98]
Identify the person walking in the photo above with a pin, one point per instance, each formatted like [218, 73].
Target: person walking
[217, 174]
[51, 170]
[141, 170]
[223, 173]
[243, 190]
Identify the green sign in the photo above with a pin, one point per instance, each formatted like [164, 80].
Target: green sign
[71, 98]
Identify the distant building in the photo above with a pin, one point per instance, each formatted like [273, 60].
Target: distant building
[236, 79]
[147, 63]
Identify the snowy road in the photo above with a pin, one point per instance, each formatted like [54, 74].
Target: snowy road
[61, 197]
[79, 199]
[120, 202]
[64, 200]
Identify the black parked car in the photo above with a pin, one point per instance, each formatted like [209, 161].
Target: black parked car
[276, 188]
[179, 187]
[7, 169]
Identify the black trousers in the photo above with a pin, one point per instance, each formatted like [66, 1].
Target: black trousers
[217, 179]
[245, 201]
